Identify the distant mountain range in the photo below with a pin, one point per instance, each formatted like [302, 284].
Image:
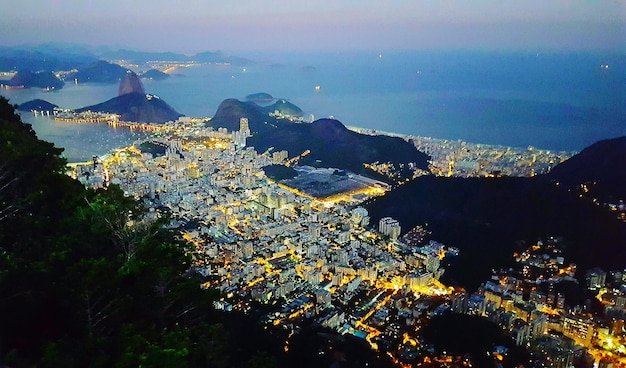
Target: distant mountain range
[487, 217]
[60, 56]
[143, 57]
[47, 57]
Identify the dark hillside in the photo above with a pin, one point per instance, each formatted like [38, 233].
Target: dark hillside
[37, 104]
[331, 144]
[485, 217]
[601, 166]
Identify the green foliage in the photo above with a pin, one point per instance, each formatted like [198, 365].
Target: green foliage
[166, 348]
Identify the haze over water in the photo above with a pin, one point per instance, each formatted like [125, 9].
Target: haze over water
[551, 101]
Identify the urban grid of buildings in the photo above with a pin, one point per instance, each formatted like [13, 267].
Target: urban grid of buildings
[320, 259]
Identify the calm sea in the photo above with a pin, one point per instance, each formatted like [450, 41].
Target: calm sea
[552, 101]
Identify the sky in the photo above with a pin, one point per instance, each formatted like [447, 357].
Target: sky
[294, 25]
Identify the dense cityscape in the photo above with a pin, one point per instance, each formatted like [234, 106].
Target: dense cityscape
[318, 259]
[328, 184]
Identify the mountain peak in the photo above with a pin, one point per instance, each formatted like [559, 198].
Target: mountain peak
[131, 84]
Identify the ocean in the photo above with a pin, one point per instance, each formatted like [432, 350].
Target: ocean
[555, 101]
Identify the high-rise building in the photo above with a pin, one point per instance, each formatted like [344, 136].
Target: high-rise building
[595, 279]
[390, 227]
[578, 328]
[243, 125]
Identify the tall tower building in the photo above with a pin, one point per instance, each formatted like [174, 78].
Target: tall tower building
[243, 125]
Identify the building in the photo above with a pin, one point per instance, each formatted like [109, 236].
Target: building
[578, 328]
[243, 125]
[323, 297]
[390, 227]
[595, 279]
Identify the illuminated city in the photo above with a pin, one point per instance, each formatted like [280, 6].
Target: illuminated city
[320, 259]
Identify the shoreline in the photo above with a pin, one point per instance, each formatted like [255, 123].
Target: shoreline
[406, 137]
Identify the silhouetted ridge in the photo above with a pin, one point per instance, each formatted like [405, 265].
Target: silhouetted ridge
[331, 144]
[602, 163]
[37, 104]
[329, 129]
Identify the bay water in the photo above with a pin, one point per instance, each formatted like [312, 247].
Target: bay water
[556, 101]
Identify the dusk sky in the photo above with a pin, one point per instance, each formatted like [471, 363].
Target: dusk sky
[199, 25]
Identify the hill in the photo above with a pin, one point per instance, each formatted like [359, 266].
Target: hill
[260, 98]
[601, 167]
[231, 110]
[330, 143]
[285, 108]
[137, 107]
[99, 72]
[37, 104]
[154, 74]
[29, 79]
[485, 217]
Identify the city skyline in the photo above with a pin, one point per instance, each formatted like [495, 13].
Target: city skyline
[326, 25]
